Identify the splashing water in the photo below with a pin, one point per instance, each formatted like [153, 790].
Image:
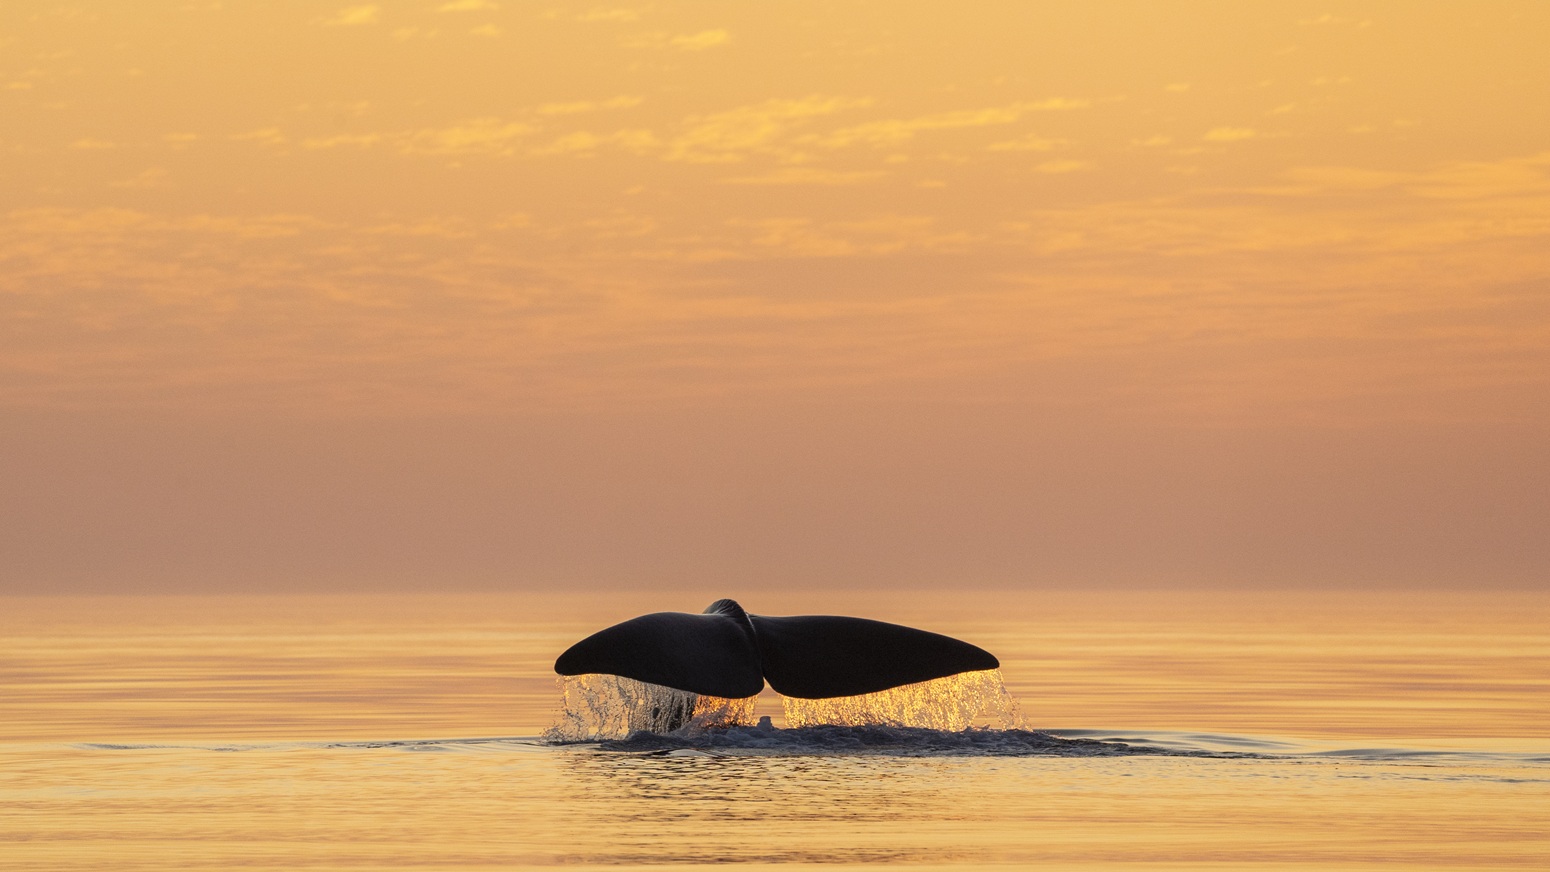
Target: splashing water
[606, 707]
[953, 703]
[601, 707]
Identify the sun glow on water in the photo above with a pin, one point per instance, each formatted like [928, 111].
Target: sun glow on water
[952, 703]
[399, 733]
[603, 707]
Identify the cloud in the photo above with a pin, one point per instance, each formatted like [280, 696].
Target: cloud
[609, 15]
[1513, 186]
[779, 129]
[443, 228]
[581, 106]
[1026, 143]
[358, 140]
[806, 176]
[1055, 104]
[145, 179]
[1062, 166]
[796, 237]
[1473, 180]
[1230, 134]
[467, 6]
[271, 135]
[487, 136]
[880, 234]
[893, 131]
[354, 15]
[584, 142]
[477, 136]
[702, 40]
[1327, 19]
[1344, 178]
[735, 134]
[572, 143]
[682, 41]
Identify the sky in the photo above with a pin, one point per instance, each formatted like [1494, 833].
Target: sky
[462, 294]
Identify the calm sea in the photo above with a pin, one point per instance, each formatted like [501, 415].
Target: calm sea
[1223, 731]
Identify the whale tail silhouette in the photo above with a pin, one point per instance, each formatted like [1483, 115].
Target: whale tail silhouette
[728, 653]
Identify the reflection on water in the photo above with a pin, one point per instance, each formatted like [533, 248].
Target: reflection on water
[514, 803]
[769, 809]
[299, 733]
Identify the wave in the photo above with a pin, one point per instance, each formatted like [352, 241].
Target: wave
[884, 740]
[491, 743]
[815, 740]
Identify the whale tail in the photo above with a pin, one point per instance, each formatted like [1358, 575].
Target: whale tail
[726, 652]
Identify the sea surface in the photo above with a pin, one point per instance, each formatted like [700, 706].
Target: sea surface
[1204, 730]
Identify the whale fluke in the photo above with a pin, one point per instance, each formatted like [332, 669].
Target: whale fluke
[823, 656]
[711, 654]
[726, 652]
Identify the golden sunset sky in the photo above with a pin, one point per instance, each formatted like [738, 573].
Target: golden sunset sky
[420, 294]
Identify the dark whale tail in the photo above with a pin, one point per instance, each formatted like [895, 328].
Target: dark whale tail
[728, 653]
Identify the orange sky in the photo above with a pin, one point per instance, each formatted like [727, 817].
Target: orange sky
[296, 295]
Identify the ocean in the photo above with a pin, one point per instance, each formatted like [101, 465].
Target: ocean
[1151, 730]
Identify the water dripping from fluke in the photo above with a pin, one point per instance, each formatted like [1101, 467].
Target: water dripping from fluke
[599, 708]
